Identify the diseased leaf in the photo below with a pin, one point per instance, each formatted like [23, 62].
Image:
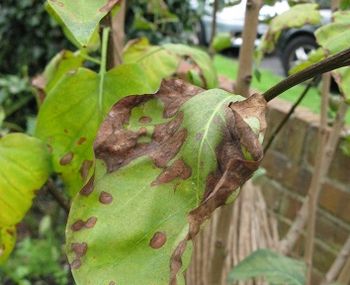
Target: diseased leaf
[24, 168]
[7, 242]
[163, 61]
[297, 16]
[81, 17]
[165, 163]
[274, 267]
[73, 110]
[199, 58]
[334, 38]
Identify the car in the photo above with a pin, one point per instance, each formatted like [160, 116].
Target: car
[231, 20]
[294, 44]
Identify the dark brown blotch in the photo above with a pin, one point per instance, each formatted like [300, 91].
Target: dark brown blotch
[91, 222]
[145, 120]
[177, 170]
[75, 264]
[81, 141]
[88, 187]
[78, 225]
[79, 249]
[84, 169]
[158, 240]
[105, 198]
[67, 158]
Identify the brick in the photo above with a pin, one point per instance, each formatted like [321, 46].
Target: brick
[340, 168]
[335, 201]
[276, 165]
[298, 179]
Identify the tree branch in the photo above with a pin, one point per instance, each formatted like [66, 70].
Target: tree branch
[51, 188]
[333, 62]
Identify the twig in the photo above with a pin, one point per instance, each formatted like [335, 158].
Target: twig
[338, 264]
[51, 188]
[213, 24]
[290, 113]
[295, 230]
[333, 62]
[344, 276]
[317, 179]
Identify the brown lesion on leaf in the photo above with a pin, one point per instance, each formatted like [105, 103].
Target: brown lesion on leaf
[88, 188]
[105, 198]
[67, 158]
[79, 249]
[81, 141]
[109, 6]
[158, 240]
[76, 263]
[176, 170]
[80, 224]
[145, 120]
[85, 168]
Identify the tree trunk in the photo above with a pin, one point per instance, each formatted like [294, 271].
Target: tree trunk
[246, 51]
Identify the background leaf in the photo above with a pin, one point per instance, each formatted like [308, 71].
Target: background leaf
[274, 267]
[81, 17]
[7, 242]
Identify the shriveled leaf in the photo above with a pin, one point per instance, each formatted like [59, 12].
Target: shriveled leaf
[199, 58]
[334, 38]
[7, 242]
[222, 41]
[81, 17]
[73, 110]
[156, 61]
[274, 267]
[297, 16]
[24, 168]
[164, 60]
[165, 163]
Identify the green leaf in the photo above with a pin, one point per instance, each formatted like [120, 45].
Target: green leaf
[334, 38]
[222, 41]
[155, 158]
[274, 267]
[7, 242]
[24, 168]
[199, 58]
[65, 61]
[81, 17]
[73, 110]
[297, 16]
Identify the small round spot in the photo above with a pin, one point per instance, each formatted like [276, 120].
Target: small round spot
[75, 264]
[105, 198]
[145, 120]
[81, 141]
[79, 249]
[67, 158]
[78, 225]
[90, 223]
[158, 240]
[112, 283]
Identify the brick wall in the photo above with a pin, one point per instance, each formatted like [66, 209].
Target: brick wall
[289, 164]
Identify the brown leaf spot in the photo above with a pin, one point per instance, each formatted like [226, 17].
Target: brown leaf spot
[91, 222]
[75, 264]
[79, 249]
[78, 225]
[112, 283]
[65, 131]
[88, 187]
[177, 170]
[145, 120]
[84, 169]
[108, 6]
[67, 158]
[81, 141]
[158, 240]
[105, 198]
[10, 232]
[199, 136]
[142, 131]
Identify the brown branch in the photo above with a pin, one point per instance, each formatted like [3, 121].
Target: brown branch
[338, 264]
[213, 23]
[333, 62]
[56, 194]
[290, 113]
[317, 179]
[344, 276]
[244, 76]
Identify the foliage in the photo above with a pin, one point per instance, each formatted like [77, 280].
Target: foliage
[274, 267]
[36, 259]
[297, 16]
[222, 41]
[163, 176]
[24, 24]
